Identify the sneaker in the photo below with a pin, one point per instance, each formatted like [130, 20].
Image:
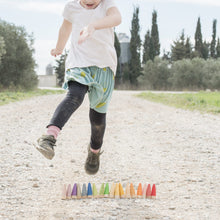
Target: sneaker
[92, 162]
[46, 145]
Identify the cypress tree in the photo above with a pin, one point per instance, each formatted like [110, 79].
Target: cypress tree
[213, 42]
[198, 38]
[218, 48]
[135, 46]
[188, 48]
[118, 52]
[152, 49]
[155, 44]
[146, 50]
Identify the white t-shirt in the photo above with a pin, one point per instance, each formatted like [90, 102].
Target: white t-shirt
[98, 50]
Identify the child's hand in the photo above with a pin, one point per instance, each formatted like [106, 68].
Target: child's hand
[55, 52]
[85, 33]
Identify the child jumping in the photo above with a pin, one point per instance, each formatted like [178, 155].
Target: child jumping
[90, 67]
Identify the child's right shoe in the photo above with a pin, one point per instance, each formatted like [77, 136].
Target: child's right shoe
[92, 162]
[46, 145]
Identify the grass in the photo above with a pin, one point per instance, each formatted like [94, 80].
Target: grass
[202, 101]
[9, 96]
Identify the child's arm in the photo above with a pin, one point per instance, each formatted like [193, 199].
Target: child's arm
[63, 37]
[112, 19]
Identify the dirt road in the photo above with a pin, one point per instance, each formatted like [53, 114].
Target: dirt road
[145, 142]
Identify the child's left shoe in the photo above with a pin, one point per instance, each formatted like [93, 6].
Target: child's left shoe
[45, 145]
[92, 162]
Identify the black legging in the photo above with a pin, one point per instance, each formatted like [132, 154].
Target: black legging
[72, 101]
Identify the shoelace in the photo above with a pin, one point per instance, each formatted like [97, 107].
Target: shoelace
[94, 157]
[51, 141]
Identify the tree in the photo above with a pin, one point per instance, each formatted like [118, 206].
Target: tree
[205, 50]
[198, 39]
[152, 49]
[17, 68]
[213, 42]
[211, 76]
[126, 73]
[218, 48]
[2, 47]
[187, 74]
[180, 49]
[146, 49]
[60, 68]
[166, 55]
[155, 74]
[154, 44]
[188, 47]
[135, 47]
[118, 52]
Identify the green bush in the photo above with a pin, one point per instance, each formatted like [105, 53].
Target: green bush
[155, 75]
[186, 74]
[211, 79]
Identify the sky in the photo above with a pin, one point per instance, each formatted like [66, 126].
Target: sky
[44, 17]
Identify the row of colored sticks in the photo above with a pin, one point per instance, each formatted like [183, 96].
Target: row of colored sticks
[116, 191]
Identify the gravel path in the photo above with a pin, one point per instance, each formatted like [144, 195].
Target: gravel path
[145, 142]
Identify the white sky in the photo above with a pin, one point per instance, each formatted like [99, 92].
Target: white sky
[43, 18]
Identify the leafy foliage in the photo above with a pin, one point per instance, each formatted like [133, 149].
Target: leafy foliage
[181, 49]
[146, 49]
[2, 47]
[185, 74]
[198, 38]
[218, 48]
[135, 47]
[17, 64]
[154, 43]
[60, 68]
[155, 74]
[213, 42]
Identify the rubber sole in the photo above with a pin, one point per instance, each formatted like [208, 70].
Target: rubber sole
[48, 153]
[90, 172]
